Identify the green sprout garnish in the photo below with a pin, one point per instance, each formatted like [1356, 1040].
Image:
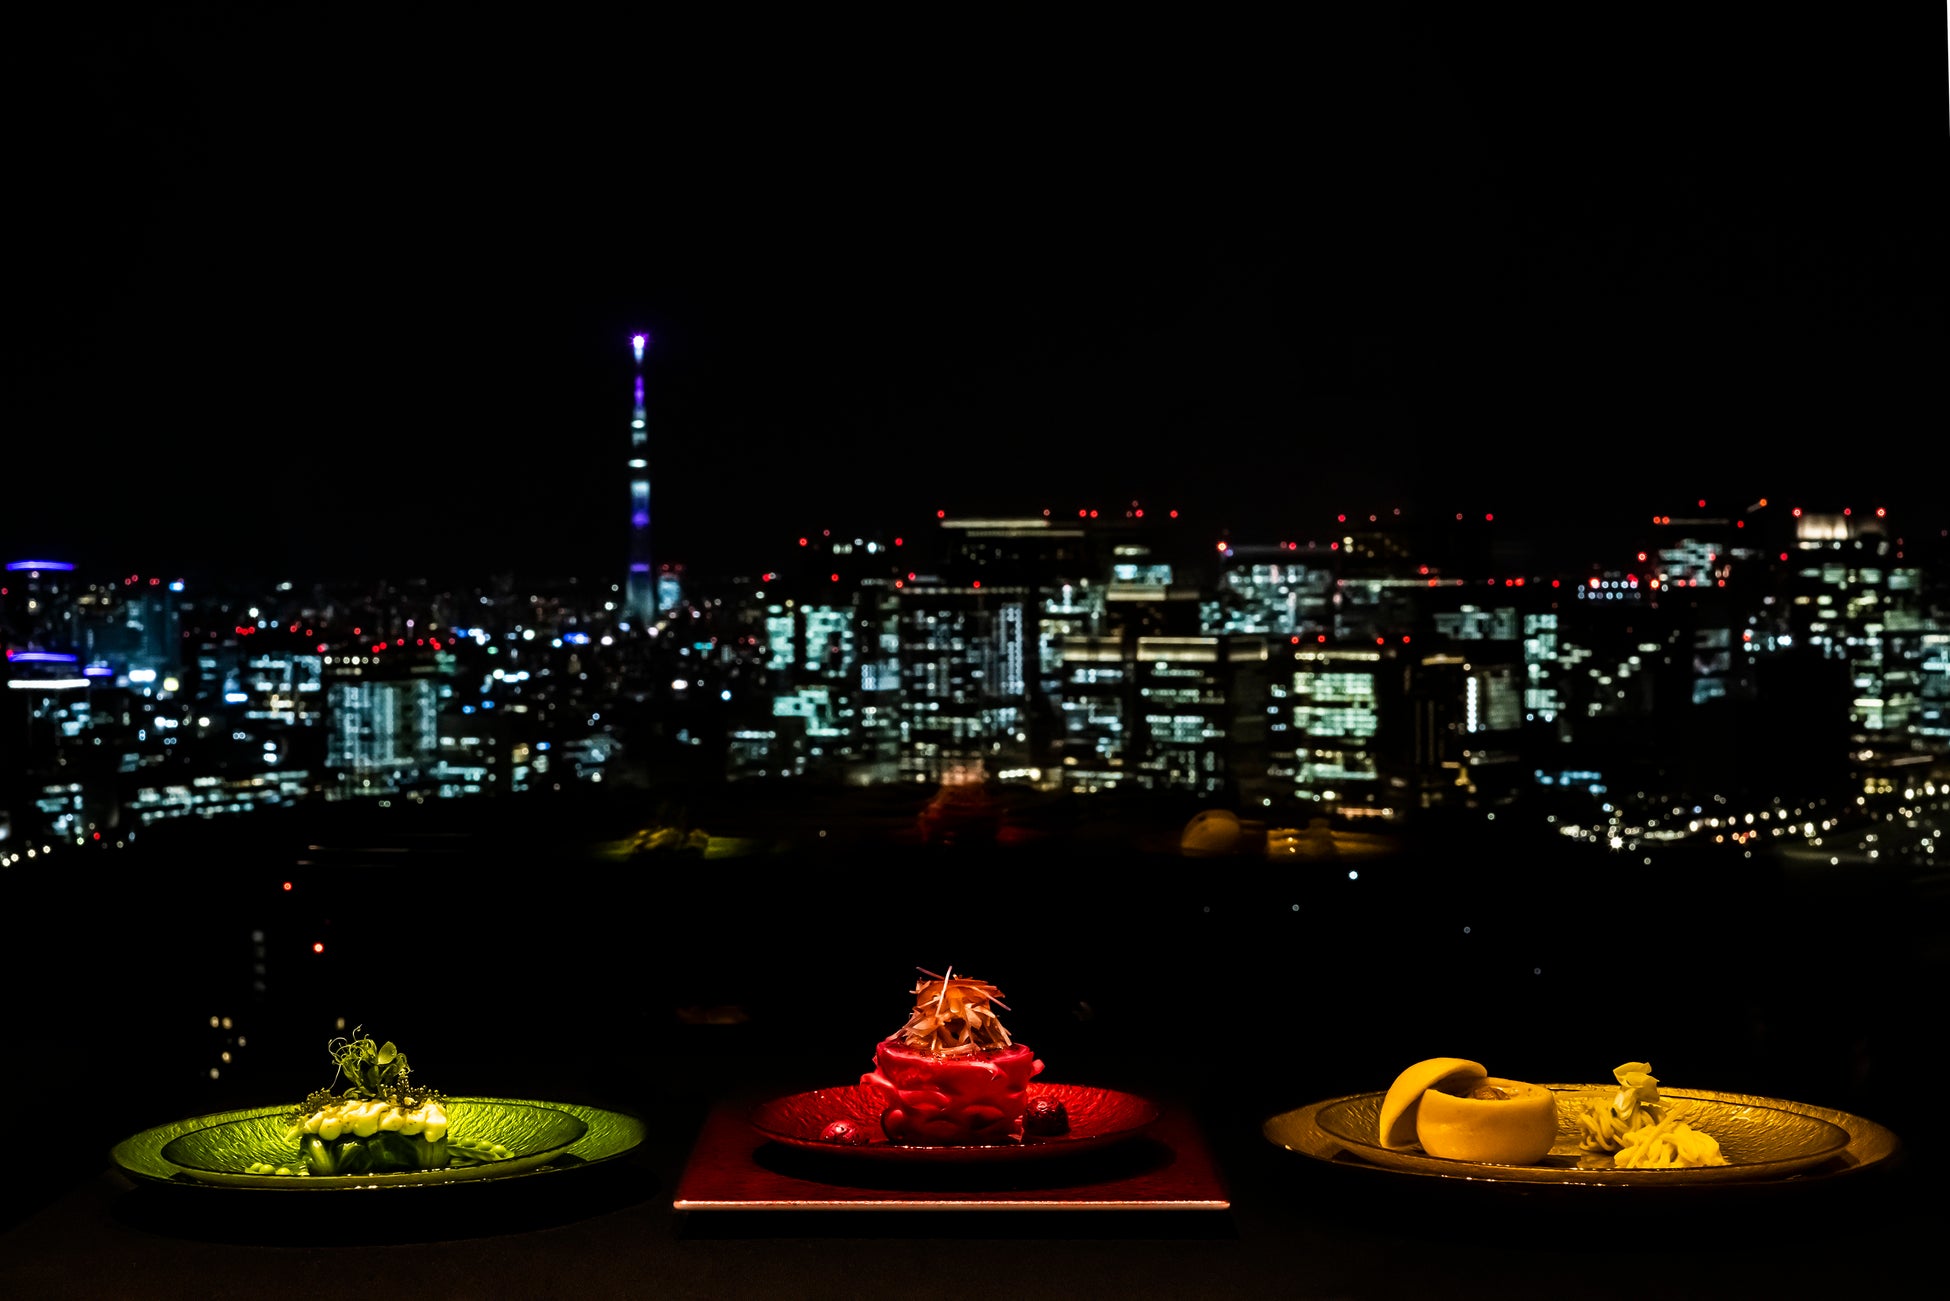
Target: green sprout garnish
[370, 1070]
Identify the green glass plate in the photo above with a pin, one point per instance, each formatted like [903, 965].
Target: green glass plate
[213, 1150]
[1763, 1139]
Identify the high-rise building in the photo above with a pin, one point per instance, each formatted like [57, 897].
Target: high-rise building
[1201, 703]
[39, 610]
[640, 590]
[1862, 605]
[385, 733]
[964, 699]
[1328, 734]
[134, 625]
[1165, 713]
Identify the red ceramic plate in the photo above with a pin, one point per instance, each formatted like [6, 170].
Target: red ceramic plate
[1098, 1117]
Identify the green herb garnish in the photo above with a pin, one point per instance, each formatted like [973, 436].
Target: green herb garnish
[370, 1070]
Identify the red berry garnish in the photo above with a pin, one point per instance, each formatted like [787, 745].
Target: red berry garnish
[1046, 1116]
[843, 1131]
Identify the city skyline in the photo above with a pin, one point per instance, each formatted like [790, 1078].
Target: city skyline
[378, 326]
[1087, 654]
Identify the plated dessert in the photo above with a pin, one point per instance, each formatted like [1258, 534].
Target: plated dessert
[952, 1075]
[952, 1086]
[1455, 1110]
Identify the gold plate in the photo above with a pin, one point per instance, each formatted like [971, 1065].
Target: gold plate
[1763, 1139]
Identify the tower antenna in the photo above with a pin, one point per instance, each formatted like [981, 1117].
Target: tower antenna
[640, 592]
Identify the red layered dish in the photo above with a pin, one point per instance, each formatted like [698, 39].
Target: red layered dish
[952, 1075]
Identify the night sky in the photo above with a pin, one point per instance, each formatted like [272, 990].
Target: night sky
[321, 294]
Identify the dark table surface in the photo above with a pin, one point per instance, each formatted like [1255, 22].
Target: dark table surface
[1295, 1228]
[1227, 990]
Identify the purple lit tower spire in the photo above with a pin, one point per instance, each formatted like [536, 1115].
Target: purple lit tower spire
[640, 594]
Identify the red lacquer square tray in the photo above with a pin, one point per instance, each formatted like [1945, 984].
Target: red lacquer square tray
[735, 1167]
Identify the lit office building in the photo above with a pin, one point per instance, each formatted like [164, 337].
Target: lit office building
[1183, 714]
[61, 811]
[1058, 568]
[826, 639]
[1541, 694]
[1493, 701]
[820, 718]
[217, 672]
[1084, 576]
[132, 627]
[282, 686]
[469, 759]
[1482, 668]
[1933, 691]
[1143, 600]
[782, 635]
[963, 660]
[1202, 702]
[671, 592]
[52, 714]
[1689, 585]
[1859, 603]
[1689, 561]
[807, 732]
[876, 677]
[385, 734]
[1474, 623]
[1267, 590]
[1331, 702]
[214, 795]
[38, 609]
[835, 670]
[1071, 610]
[1096, 747]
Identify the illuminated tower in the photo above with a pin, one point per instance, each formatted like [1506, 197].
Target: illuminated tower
[640, 594]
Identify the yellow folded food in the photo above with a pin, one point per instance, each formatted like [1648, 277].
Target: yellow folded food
[1507, 1122]
[1398, 1108]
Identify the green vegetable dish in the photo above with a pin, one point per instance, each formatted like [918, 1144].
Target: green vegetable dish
[382, 1123]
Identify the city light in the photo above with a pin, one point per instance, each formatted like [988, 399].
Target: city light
[1312, 642]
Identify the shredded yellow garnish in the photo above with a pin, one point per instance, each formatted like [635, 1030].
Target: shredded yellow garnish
[954, 1016]
[1636, 1106]
[1668, 1145]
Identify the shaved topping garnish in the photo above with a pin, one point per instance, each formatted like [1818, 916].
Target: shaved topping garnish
[954, 1016]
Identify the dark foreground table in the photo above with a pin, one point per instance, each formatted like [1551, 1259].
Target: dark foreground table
[1291, 1227]
[1228, 992]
